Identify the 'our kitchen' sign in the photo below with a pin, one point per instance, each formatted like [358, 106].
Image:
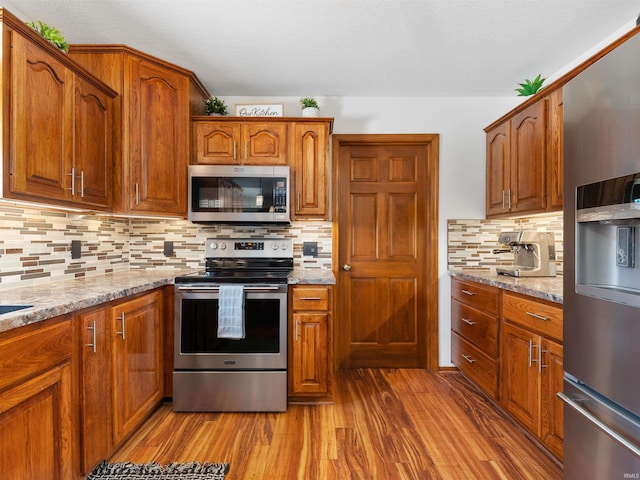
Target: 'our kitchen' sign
[243, 110]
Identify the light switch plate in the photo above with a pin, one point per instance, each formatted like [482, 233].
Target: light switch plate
[310, 249]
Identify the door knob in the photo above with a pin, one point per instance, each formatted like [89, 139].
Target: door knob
[346, 267]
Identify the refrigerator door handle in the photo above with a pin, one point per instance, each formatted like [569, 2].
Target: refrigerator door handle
[635, 449]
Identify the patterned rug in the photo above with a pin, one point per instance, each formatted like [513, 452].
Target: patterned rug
[154, 471]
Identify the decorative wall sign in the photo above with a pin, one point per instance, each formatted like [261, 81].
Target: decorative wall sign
[247, 110]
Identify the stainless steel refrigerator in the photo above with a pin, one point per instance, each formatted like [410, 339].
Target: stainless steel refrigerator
[602, 268]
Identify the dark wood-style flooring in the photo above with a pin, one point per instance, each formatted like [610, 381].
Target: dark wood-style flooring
[384, 424]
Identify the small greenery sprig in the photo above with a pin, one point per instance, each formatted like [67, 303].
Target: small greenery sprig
[308, 102]
[215, 105]
[529, 87]
[50, 33]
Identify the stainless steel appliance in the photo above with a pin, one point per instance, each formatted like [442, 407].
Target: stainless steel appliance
[534, 254]
[239, 193]
[601, 274]
[213, 373]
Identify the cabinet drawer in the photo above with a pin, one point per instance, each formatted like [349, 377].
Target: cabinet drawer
[25, 353]
[477, 327]
[311, 298]
[543, 317]
[480, 368]
[482, 297]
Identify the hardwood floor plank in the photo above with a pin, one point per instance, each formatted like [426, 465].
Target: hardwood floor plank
[388, 424]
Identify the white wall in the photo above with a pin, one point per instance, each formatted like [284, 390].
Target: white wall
[458, 120]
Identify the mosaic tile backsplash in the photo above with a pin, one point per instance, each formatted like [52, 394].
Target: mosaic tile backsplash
[35, 243]
[470, 242]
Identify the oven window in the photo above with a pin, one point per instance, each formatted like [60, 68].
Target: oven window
[200, 327]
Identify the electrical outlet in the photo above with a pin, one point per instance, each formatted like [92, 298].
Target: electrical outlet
[168, 248]
[310, 249]
[76, 249]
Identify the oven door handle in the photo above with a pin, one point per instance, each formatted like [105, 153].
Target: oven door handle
[215, 288]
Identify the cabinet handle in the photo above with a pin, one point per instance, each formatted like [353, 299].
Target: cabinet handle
[137, 194]
[503, 199]
[540, 364]
[537, 315]
[234, 150]
[509, 198]
[311, 298]
[246, 150]
[468, 292]
[297, 328]
[73, 181]
[467, 358]
[298, 202]
[93, 329]
[121, 318]
[531, 347]
[81, 177]
[468, 322]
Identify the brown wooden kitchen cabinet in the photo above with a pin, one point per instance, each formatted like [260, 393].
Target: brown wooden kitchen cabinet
[532, 372]
[119, 358]
[93, 337]
[475, 310]
[36, 418]
[239, 142]
[516, 156]
[310, 372]
[310, 169]
[136, 329]
[555, 163]
[153, 126]
[60, 126]
[524, 159]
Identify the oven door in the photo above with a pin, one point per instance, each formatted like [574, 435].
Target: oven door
[196, 342]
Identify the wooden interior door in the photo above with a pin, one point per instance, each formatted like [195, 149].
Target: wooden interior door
[385, 206]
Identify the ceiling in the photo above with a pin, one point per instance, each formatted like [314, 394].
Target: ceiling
[382, 48]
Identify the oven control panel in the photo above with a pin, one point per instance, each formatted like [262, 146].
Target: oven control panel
[249, 248]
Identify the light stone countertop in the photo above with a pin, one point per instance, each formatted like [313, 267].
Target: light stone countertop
[545, 288]
[311, 276]
[66, 296]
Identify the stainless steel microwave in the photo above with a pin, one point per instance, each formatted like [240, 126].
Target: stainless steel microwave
[239, 194]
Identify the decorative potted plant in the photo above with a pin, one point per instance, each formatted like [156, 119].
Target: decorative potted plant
[529, 87]
[50, 33]
[309, 107]
[215, 106]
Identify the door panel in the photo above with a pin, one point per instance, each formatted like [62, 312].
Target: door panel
[388, 190]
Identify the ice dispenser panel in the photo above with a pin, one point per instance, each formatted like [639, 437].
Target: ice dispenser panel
[607, 239]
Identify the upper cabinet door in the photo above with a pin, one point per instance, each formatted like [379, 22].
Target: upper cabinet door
[528, 158]
[41, 122]
[216, 143]
[310, 170]
[157, 129]
[93, 133]
[264, 143]
[498, 157]
[555, 170]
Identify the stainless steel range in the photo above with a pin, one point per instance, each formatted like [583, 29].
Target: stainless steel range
[230, 347]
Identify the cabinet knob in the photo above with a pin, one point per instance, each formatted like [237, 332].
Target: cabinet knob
[346, 267]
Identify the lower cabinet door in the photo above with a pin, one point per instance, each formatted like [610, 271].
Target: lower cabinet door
[137, 362]
[35, 427]
[520, 377]
[95, 391]
[310, 363]
[551, 407]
